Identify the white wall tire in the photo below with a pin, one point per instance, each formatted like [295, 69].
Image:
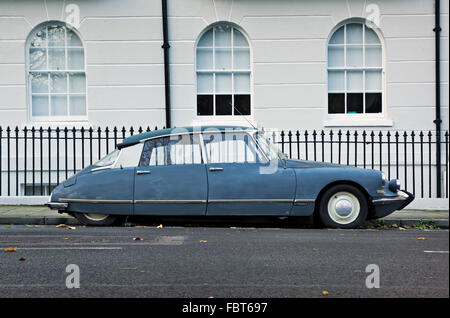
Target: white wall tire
[343, 206]
[96, 219]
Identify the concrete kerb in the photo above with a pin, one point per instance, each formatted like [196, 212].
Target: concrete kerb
[38, 220]
[441, 223]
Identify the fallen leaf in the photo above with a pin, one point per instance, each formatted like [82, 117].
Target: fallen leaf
[11, 249]
[9, 226]
[159, 226]
[65, 238]
[137, 239]
[233, 227]
[65, 226]
[315, 249]
[394, 225]
[22, 259]
[401, 228]
[421, 238]
[325, 293]
[203, 241]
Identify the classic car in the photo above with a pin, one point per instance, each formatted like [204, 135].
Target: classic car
[222, 171]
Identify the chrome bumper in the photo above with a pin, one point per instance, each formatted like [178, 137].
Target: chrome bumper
[57, 206]
[403, 197]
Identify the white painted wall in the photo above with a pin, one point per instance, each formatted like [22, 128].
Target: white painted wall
[289, 45]
[123, 55]
[289, 41]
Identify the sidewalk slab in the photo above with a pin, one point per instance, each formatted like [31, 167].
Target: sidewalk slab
[418, 214]
[34, 215]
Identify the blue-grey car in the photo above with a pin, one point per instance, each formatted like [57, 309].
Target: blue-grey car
[222, 171]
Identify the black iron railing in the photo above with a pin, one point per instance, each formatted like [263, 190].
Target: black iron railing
[34, 160]
[407, 156]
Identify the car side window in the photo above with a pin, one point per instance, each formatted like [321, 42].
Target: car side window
[171, 150]
[231, 147]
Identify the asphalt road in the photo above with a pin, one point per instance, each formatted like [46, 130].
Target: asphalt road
[222, 261]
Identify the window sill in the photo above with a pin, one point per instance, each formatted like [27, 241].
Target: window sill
[358, 122]
[78, 123]
[224, 120]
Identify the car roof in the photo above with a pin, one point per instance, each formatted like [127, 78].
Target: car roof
[178, 130]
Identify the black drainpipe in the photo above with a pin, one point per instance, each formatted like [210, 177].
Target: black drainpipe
[166, 47]
[438, 121]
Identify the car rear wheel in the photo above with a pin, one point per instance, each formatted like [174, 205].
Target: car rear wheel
[95, 219]
[343, 206]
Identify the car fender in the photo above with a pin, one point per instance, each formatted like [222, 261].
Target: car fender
[312, 181]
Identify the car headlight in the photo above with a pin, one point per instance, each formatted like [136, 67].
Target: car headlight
[394, 185]
[383, 178]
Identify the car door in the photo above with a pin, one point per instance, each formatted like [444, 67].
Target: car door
[171, 177]
[241, 179]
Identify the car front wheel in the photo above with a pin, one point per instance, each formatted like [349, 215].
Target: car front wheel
[343, 206]
[95, 219]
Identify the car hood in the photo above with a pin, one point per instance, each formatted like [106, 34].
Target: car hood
[292, 163]
[87, 170]
[73, 179]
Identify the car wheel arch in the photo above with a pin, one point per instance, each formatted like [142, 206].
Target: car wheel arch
[343, 182]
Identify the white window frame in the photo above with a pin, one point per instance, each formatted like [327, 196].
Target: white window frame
[362, 119]
[52, 119]
[224, 118]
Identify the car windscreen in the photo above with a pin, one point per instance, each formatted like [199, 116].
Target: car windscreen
[268, 147]
[108, 160]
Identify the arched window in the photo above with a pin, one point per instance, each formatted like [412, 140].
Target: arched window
[56, 73]
[223, 72]
[355, 70]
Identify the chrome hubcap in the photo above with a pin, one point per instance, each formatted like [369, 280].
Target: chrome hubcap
[343, 208]
[96, 217]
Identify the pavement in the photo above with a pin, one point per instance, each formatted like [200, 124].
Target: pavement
[41, 215]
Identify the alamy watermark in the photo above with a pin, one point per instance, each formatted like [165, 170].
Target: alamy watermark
[73, 279]
[373, 279]
[73, 15]
[373, 15]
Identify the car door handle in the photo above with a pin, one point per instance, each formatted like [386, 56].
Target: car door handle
[143, 172]
[215, 169]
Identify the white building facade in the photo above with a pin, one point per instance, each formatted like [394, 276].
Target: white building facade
[292, 64]
[285, 64]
